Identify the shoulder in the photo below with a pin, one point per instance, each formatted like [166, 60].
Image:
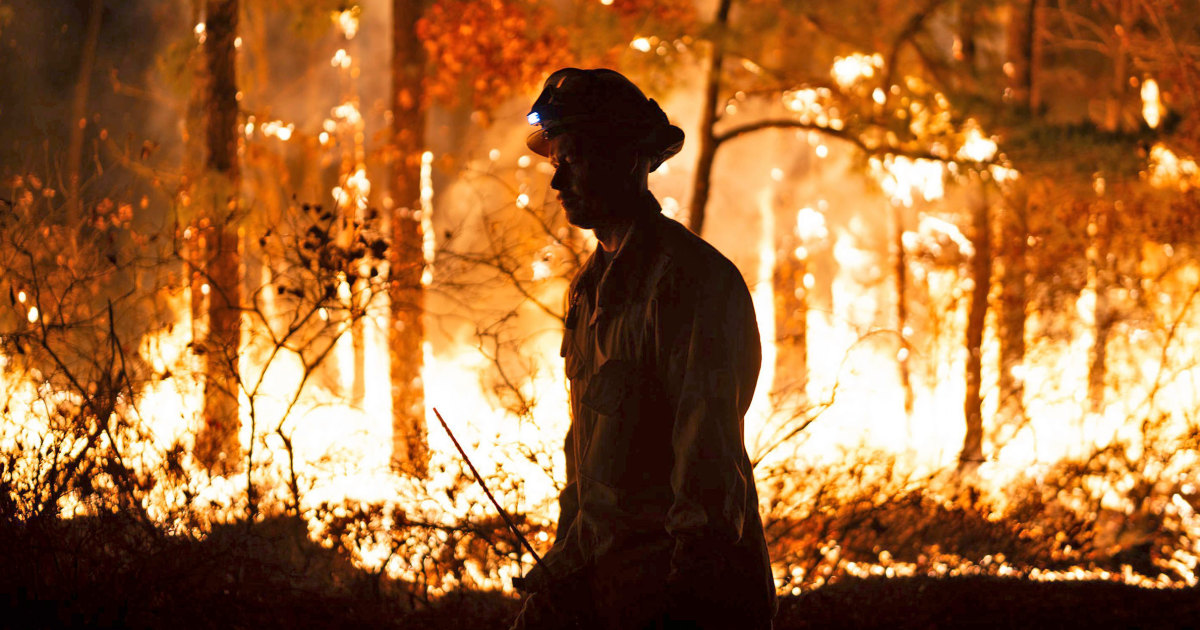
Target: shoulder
[694, 262]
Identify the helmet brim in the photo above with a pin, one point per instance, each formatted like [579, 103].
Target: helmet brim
[539, 143]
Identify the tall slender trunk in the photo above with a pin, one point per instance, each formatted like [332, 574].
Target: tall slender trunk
[352, 220]
[708, 118]
[981, 272]
[1014, 270]
[217, 445]
[901, 276]
[1020, 35]
[1120, 75]
[194, 158]
[791, 320]
[406, 292]
[1035, 26]
[87, 59]
[1101, 276]
[1013, 230]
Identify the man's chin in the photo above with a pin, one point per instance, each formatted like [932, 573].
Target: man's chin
[581, 218]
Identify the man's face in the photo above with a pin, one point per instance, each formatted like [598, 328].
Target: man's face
[593, 186]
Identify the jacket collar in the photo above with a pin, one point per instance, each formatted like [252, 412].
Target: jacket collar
[629, 270]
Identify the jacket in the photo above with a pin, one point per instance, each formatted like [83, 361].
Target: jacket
[662, 354]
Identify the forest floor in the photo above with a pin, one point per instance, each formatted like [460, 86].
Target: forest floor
[987, 602]
[82, 574]
[903, 603]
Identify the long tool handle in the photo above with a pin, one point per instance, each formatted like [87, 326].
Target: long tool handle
[503, 514]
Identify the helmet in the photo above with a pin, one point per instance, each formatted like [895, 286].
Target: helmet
[602, 102]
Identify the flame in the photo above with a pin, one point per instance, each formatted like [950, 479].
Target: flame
[429, 242]
[901, 176]
[853, 68]
[763, 298]
[341, 59]
[349, 113]
[810, 225]
[975, 146]
[342, 449]
[354, 190]
[274, 128]
[1152, 107]
[1168, 170]
[347, 21]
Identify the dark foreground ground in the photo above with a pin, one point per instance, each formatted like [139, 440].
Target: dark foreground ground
[988, 602]
[917, 603]
[85, 577]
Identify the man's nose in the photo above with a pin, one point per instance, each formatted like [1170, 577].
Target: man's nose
[559, 181]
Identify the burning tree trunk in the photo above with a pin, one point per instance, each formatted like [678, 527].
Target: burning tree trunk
[217, 445]
[1011, 319]
[1013, 228]
[87, 59]
[981, 272]
[1101, 276]
[708, 118]
[791, 318]
[194, 158]
[407, 261]
[901, 275]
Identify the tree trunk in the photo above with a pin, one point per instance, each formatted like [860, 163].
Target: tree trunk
[1035, 25]
[981, 271]
[1014, 270]
[1019, 45]
[1120, 76]
[1013, 231]
[968, 25]
[87, 59]
[1101, 277]
[901, 275]
[791, 321]
[217, 445]
[195, 156]
[708, 118]
[407, 261]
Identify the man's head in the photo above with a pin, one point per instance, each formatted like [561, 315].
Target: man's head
[604, 137]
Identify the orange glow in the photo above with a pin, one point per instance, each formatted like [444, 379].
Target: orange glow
[847, 223]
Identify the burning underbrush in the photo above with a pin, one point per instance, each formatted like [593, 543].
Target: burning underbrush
[863, 520]
[873, 547]
[112, 516]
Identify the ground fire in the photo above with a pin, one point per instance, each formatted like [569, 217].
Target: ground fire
[248, 246]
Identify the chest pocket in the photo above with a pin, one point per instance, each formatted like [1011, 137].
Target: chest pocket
[629, 446]
[573, 360]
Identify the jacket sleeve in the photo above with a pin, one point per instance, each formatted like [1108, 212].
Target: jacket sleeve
[568, 499]
[709, 357]
[562, 558]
